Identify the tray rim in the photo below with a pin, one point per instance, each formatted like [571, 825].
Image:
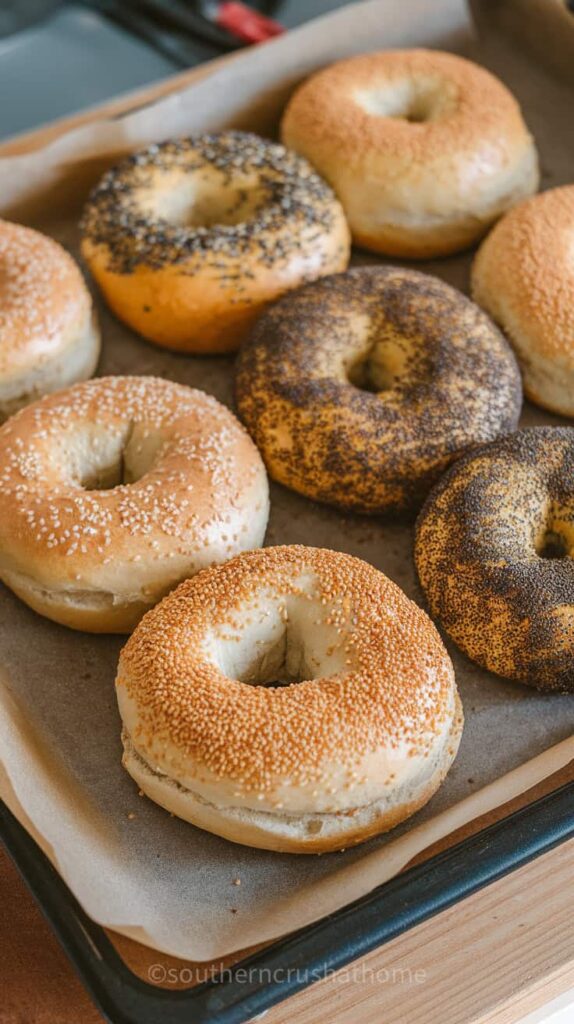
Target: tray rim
[408, 899]
[123, 997]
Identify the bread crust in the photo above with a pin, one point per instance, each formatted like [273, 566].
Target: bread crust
[523, 276]
[191, 239]
[50, 335]
[424, 149]
[438, 378]
[493, 551]
[116, 489]
[292, 698]
[290, 835]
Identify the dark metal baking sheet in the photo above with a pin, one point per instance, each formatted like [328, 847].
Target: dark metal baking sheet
[253, 985]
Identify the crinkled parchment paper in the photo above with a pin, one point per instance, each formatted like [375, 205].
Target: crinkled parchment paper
[132, 866]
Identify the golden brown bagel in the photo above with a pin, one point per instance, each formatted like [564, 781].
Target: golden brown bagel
[292, 699]
[48, 333]
[361, 388]
[114, 490]
[523, 275]
[190, 239]
[494, 553]
[424, 149]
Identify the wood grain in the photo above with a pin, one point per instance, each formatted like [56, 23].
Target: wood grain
[492, 958]
[489, 960]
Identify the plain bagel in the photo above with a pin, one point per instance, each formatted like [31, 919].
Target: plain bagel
[292, 699]
[361, 388]
[48, 331]
[424, 149]
[114, 490]
[190, 239]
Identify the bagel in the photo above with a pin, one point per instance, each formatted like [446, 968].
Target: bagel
[115, 490]
[361, 388]
[190, 239]
[523, 276]
[494, 547]
[292, 699]
[424, 149]
[48, 331]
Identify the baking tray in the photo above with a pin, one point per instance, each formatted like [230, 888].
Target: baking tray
[257, 982]
[254, 984]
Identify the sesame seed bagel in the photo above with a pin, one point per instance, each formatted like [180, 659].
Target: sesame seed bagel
[424, 149]
[48, 333]
[361, 388]
[494, 553]
[292, 699]
[190, 239]
[523, 275]
[115, 490]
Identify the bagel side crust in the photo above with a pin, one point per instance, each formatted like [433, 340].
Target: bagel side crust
[494, 553]
[448, 380]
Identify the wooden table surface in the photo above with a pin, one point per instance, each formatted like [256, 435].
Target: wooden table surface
[492, 958]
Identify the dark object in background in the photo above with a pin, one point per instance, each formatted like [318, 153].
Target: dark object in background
[70, 60]
[222, 25]
[109, 47]
[177, 27]
[16, 15]
[243, 22]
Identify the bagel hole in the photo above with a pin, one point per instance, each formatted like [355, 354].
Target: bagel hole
[552, 546]
[113, 460]
[417, 113]
[378, 368]
[276, 684]
[102, 478]
[276, 645]
[282, 663]
[192, 200]
[368, 376]
[414, 102]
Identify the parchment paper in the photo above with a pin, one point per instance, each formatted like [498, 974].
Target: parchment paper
[132, 866]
